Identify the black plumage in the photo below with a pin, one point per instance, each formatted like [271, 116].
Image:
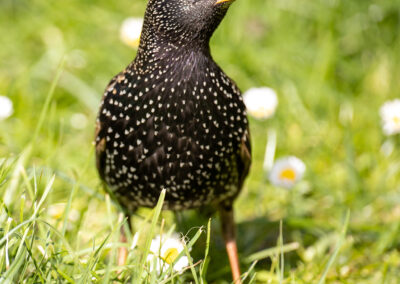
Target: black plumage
[173, 119]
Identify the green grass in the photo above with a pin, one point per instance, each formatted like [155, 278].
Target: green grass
[333, 64]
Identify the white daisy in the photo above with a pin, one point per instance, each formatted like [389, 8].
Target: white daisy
[6, 107]
[390, 115]
[261, 102]
[166, 250]
[287, 171]
[130, 31]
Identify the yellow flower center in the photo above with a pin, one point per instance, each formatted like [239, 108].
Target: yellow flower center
[170, 255]
[262, 112]
[396, 119]
[133, 42]
[288, 174]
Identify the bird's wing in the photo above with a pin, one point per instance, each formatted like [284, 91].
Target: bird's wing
[244, 157]
[99, 133]
[100, 151]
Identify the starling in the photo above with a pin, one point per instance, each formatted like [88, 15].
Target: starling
[174, 120]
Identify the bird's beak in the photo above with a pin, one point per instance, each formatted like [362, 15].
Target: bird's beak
[222, 1]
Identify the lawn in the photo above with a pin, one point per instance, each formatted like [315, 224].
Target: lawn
[332, 63]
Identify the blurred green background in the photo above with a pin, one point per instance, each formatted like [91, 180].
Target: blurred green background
[333, 64]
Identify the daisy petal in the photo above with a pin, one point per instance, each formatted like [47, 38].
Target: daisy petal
[261, 102]
[287, 171]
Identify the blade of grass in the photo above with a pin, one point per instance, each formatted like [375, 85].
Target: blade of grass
[64, 275]
[15, 176]
[247, 273]
[37, 267]
[156, 215]
[270, 149]
[4, 254]
[281, 259]
[44, 195]
[72, 193]
[64, 241]
[116, 236]
[13, 230]
[21, 208]
[18, 260]
[93, 259]
[33, 218]
[92, 192]
[338, 246]
[252, 279]
[196, 280]
[272, 251]
[47, 101]
[204, 265]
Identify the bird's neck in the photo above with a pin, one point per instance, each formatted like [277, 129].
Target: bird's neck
[157, 47]
[158, 54]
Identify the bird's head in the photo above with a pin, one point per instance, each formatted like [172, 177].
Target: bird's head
[183, 21]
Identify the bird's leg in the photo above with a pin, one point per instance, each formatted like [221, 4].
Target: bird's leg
[228, 232]
[123, 251]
